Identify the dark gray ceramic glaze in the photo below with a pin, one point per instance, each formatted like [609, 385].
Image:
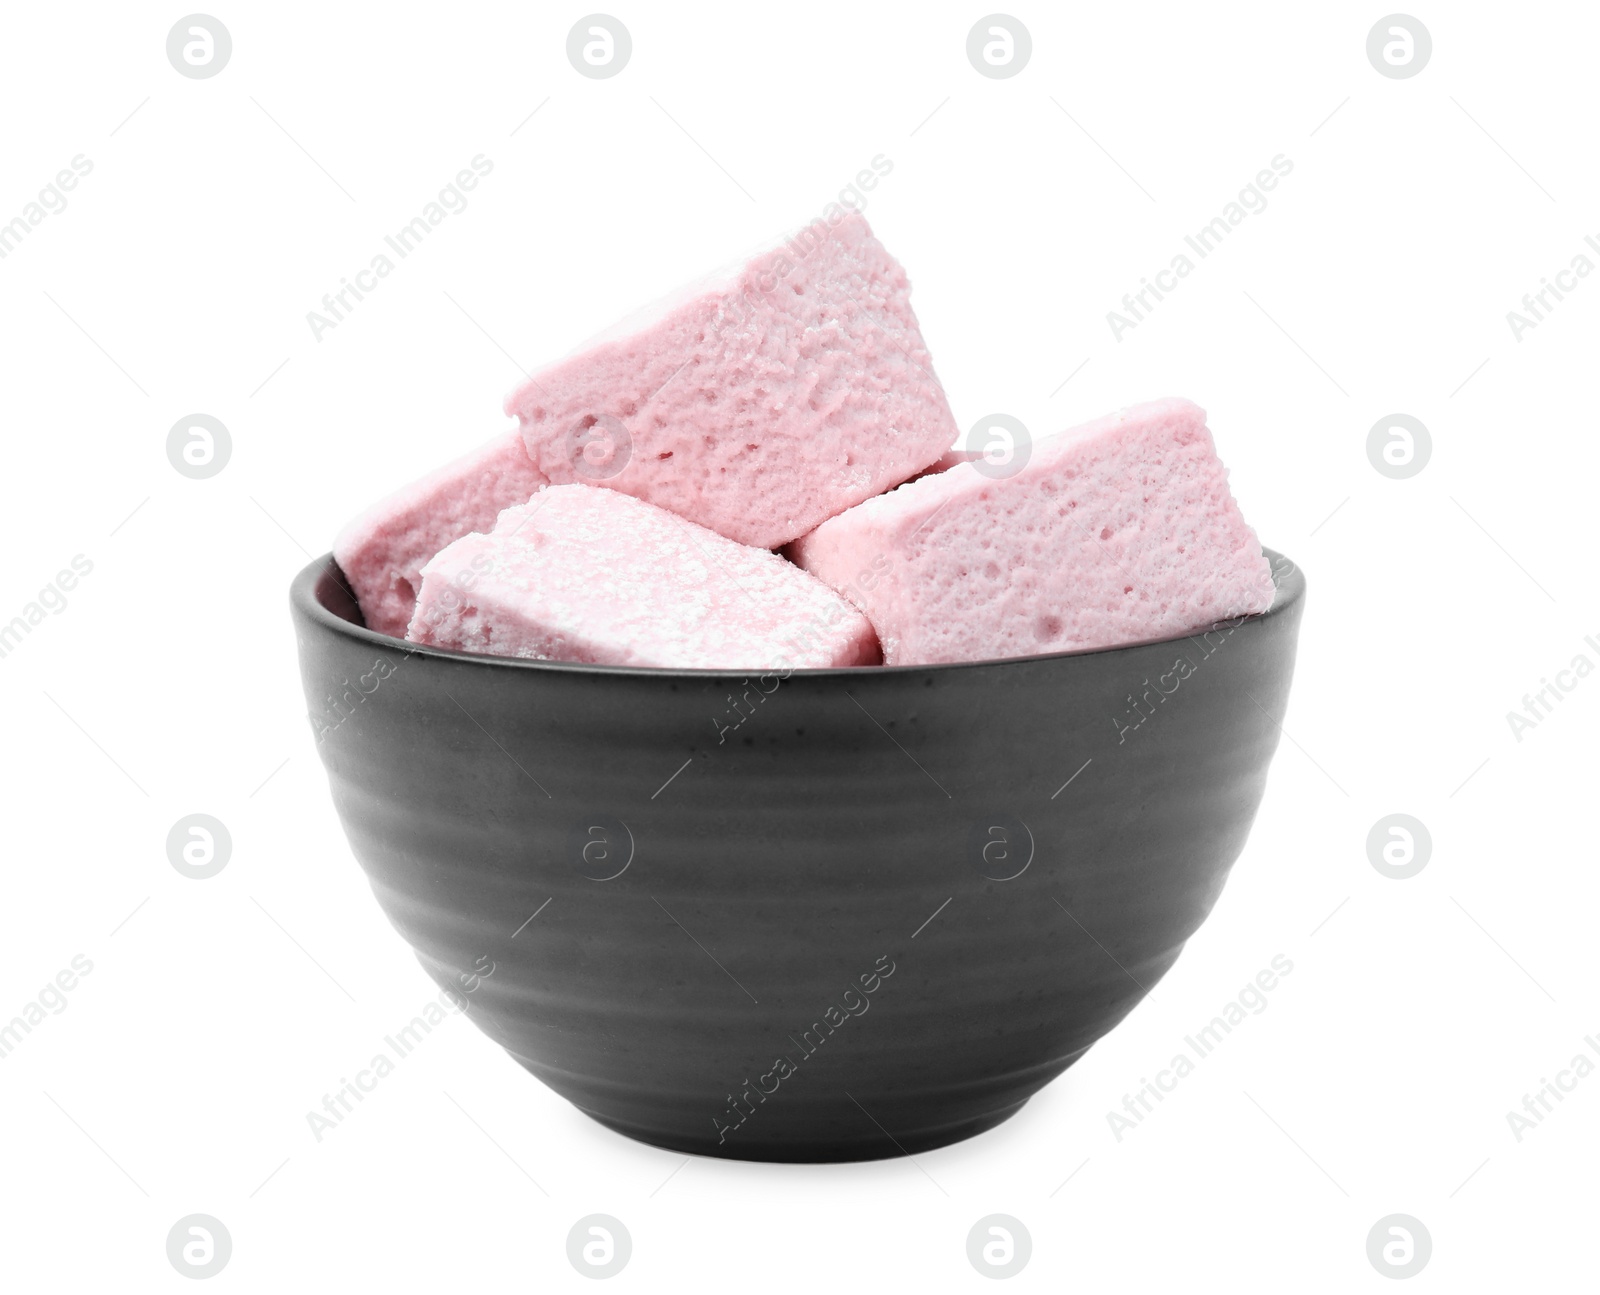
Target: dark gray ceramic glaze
[800, 853]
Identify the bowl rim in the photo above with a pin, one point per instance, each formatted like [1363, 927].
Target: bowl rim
[1288, 580]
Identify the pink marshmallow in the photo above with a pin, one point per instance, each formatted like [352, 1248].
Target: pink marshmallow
[595, 576]
[759, 401]
[382, 552]
[1120, 531]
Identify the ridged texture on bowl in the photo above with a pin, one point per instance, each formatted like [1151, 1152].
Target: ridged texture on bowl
[789, 841]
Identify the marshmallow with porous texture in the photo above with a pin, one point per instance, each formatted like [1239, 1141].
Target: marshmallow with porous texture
[382, 552]
[759, 401]
[590, 575]
[1121, 531]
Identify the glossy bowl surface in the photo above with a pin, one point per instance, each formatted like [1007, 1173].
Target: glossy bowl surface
[826, 915]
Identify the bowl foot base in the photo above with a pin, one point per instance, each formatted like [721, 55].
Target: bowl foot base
[820, 1151]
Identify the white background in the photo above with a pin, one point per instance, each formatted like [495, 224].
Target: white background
[178, 279]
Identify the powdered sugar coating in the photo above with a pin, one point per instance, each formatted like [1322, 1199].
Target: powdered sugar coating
[382, 551]
[1120, 531]
[584, 574]
[760, 401]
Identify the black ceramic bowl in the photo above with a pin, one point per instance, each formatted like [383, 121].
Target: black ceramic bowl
[833, 915]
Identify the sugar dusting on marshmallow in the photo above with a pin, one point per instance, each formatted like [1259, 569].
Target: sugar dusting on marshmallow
[590, 575]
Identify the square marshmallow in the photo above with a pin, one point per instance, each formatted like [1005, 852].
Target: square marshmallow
[1120, 531]
[759, 401]
[589, 575]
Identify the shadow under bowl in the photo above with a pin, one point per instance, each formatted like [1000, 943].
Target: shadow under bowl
[813, 916]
